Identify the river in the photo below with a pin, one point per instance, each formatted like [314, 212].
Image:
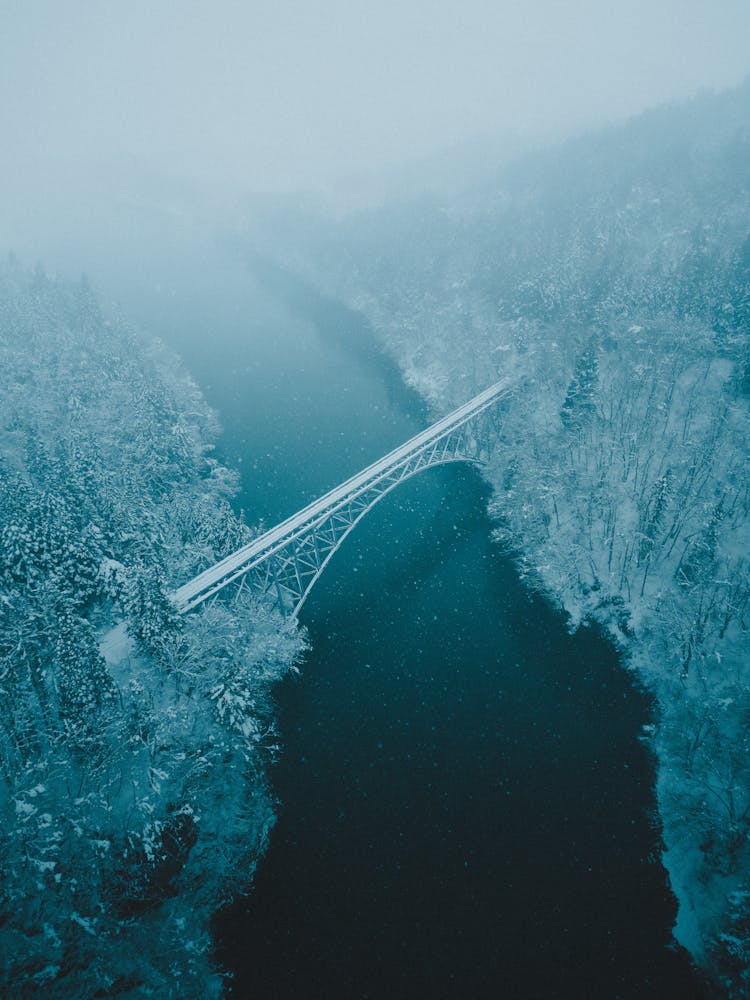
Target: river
[465, 807]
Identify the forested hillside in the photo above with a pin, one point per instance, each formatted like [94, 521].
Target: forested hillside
[610, 278]
[133, 743]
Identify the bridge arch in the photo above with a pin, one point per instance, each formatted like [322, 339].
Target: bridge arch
[284, 564]
[345, 534]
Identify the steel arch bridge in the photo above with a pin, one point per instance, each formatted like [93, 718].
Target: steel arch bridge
[283, 564]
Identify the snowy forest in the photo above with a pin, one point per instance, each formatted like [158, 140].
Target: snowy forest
[133, 743]
[610, 278]
[518, 753]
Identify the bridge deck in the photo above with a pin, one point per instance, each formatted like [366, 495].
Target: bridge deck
[186, 595]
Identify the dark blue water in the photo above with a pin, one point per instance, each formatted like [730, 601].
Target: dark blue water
[465, 809]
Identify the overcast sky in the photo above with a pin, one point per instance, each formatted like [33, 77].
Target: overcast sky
[285, 93]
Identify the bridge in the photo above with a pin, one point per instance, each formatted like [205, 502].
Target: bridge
[283, 564]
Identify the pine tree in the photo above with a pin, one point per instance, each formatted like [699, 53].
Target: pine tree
[580, 399]
[152, 618]
[83, 682]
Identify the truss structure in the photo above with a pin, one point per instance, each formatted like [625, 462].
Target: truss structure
[283, 564]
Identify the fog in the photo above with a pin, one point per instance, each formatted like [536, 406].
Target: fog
[123, 102]
[306, 239]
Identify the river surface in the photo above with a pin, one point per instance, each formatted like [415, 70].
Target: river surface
[465, 808]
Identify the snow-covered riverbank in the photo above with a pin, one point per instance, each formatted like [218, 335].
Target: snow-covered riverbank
[133, 791]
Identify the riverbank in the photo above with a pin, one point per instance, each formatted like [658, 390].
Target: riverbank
[133, 786]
